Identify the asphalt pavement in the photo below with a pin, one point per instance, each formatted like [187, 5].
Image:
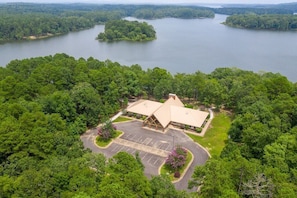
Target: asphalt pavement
[152, 146]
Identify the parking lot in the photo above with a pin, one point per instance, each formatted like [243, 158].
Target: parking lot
[153, 147]
[149, 141]
[151, 162]
[152, 151]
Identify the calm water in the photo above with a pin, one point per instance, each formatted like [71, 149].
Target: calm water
[183, 46]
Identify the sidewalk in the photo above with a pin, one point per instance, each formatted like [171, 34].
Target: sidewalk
[211, 116]
[116, 116]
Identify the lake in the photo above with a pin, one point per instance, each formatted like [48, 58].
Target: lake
[182, 46]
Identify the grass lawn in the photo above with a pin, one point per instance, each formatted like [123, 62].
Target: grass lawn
[122, 119]
[166, 170]
[215, 136]
[103, 143]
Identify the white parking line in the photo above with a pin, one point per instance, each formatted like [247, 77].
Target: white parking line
[143, 139]
[156, 162]
[147, 157]
[141, 147]
[160, 146]
[152, 143]
[114, 148]
[168, 147]
[150, 159]
[138, 139]
[133, 152]
[147, 141]
[144, 156]
[89, 136]
[118, 148]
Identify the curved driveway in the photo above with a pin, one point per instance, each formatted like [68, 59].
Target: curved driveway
[151, 146]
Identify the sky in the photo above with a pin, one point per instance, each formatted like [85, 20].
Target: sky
[158, 1]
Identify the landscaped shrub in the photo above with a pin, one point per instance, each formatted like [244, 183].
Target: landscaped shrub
[162, 100]
[198, 130]
[177, 158]
[177, 174]
[107, 131]
[190, 106]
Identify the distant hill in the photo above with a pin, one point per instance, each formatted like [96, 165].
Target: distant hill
[231, 9]
[288, 6]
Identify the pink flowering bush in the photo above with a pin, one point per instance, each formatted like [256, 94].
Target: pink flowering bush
[107, 131]
[177, 158]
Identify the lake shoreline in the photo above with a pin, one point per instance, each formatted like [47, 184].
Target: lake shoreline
[182, 46]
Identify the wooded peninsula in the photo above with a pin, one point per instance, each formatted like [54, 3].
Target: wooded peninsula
[26, 21]
[263, 22]
[119, 30]
[23, 21]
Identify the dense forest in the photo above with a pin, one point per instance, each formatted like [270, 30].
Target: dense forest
[249, 10]
[21, 21]
[118, 30]
[285, 8]
[260, 157]
[263, 22]
[264, 17]
[47, 102]
[193, 12]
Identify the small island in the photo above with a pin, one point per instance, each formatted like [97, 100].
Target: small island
[124, 30]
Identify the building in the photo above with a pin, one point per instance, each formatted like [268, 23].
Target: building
[172, 112]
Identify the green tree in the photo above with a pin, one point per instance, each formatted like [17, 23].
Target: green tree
[256, 137]
[162, 187]
[154, 77]
[87, 102]
[213, 178]
[6, 186]
[163, 88]
[213, 93]
[60, 102]
[260, 186]
[122, 170]
[34, 184]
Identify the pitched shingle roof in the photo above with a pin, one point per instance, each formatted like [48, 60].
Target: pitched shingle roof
[172, 110]
[163, 113]
[144, 107]
[188, 116]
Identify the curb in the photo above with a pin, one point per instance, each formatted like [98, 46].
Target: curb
[105, 147]
[186, 169]
[209, 155]
[184, 172]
